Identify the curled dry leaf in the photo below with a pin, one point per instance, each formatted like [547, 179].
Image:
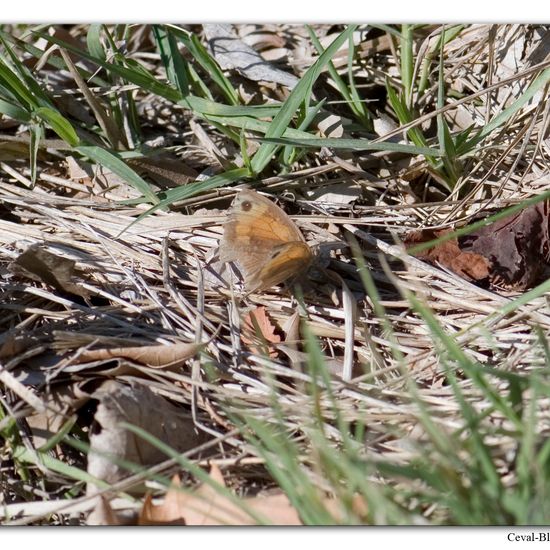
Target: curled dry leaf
[510, 253]
[517, 246]
[232, 53]
[336, 194]
[161, 356]
[39, 264]
[257, 330]
[103, 514]
[62, 400]
[134, 404]
[473, 267]
[207, 506]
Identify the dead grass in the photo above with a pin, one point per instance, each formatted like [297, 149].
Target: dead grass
[154, 282]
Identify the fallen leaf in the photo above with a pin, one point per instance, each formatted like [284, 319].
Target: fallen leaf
[338, 194]
[358, 507]
[511, 253]
[208, 506]
[62, 401]
[134, 404]
[468, 265]
[39, 264]
[232, 53]
[17, 343]
[103, 514]
[276, 508]
[257, 330]
[159, 356]
[516, 246]
[167, 513]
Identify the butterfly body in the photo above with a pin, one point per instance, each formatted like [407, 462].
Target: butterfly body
[264, 241]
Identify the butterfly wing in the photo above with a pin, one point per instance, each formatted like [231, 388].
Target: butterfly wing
[287, 260]
[263, 240]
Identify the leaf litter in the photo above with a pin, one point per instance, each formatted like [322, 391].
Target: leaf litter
[96, 358]
[509, 253]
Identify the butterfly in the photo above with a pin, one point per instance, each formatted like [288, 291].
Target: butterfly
[264, 241]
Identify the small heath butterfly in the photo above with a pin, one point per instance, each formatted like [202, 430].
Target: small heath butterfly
[264, 241]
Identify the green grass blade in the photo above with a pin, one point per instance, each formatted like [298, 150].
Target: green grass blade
[208, 107]
[256, 125]
[407, 62]
[113, 162]
[71, 472]
[297, 96]
[207, 62]
[53, 60]
[59, 124]
[538, 84]
[349, 94]
[39, 97]
[175, 65]
[191, 189]
[93, 41]
[290, 154]
[14, 111]
[18, 90]
[135, 73]
[356, 145]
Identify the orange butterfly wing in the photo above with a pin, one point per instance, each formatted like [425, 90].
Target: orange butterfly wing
[264, 241]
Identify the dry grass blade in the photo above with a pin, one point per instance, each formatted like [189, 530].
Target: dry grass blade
[382, 389]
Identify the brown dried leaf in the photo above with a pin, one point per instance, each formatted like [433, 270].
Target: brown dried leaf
[62, 400]
[516, 246]
[134, 404]
[206, 506]
[39, 264]
[17, 343]
[510, 252]
[473, 267]
[167, 513]
[276, 508]
[358, 506]
[161, 356]
[258, 326]
[103, 514]
[291, 328]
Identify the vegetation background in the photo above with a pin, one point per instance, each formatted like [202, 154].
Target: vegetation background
[390, 392]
